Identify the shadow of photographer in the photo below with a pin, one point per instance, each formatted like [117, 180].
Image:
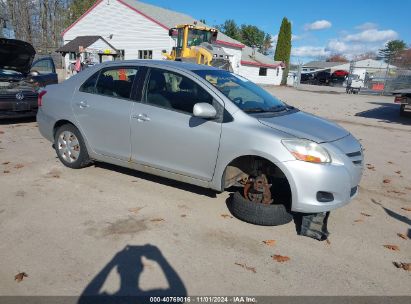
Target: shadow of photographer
[129, 266]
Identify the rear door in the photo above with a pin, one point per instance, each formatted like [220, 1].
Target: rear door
[47, 72]
[164, 132]
[102, 107]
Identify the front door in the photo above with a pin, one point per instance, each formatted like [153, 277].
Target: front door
[165, 134]
[46, 72]
[102, 107]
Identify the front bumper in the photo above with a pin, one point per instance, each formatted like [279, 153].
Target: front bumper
[339, 178]
[10, 107]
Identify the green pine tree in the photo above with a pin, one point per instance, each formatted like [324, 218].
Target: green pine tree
[231, 29]
[77, 8]
[391, 50]
[283, 48]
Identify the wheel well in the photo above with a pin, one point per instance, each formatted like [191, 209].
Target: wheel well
[59, 123]
[249, 165]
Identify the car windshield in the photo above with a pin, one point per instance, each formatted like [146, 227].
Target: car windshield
[7, 73]
[248, 96]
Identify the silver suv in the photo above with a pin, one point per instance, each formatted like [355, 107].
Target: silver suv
[202, 126]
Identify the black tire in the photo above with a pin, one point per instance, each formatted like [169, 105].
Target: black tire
[83, 159]
[402, 110]
[258, 214]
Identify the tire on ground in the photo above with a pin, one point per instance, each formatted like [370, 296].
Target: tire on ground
[83, 160]
[402, 110]
[259, 214]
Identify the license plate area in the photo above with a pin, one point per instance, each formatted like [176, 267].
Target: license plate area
[21, 106]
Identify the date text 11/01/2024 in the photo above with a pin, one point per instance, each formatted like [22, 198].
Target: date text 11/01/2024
[203, 299]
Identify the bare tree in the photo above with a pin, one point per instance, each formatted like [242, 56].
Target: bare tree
[367, 55]
[39, 22]
[20, 14]
[337, 58]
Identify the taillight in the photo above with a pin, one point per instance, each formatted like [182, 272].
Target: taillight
[40, 98]
[399, 99]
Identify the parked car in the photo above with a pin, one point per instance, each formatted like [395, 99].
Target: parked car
[20, 80]
[306, 78]
[203, 126]
[403, 97]
[338, 77]
[322, 78]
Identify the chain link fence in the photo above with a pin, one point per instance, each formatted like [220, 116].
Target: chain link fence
[386, 81]
[381, 79]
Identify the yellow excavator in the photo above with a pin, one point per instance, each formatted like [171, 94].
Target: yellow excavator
[196, 44]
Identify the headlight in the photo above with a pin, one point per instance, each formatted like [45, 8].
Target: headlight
[307, 150]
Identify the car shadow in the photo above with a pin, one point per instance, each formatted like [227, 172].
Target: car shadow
[16, 121]
[129, 265]
[393, 214]
[385, 112]
[158, 179]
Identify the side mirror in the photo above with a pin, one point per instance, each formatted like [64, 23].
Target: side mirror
[204, 110]
[34, 73]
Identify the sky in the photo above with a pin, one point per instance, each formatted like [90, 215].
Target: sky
[319, 28]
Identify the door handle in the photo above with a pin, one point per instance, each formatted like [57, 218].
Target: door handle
[82, 104]
[141, 117]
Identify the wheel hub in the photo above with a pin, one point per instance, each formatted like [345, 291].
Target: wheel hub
[68, 146]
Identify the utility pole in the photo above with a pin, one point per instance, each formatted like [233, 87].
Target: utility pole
[386, 75]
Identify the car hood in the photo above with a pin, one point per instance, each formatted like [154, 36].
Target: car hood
[16, 55]
[307, 126]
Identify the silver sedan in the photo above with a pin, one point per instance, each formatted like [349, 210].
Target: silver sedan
[202, 126]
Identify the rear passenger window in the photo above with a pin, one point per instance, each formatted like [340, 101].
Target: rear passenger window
[115, 82]
[174, 91]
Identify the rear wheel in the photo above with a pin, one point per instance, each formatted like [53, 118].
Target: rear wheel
[70, 147]
[402, 110]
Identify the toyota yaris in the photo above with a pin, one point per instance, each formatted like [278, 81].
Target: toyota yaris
[202, 126]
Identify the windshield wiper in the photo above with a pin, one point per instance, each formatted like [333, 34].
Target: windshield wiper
[269, 110]
[254, 110]
[277, 109]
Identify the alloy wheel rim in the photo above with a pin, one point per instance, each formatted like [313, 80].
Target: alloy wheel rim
[68, 146]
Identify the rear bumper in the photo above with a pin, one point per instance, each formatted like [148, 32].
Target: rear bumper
[45, 125]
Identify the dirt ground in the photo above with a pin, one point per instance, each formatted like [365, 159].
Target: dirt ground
[103, 227]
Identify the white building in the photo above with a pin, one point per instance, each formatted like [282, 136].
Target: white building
[136, 30]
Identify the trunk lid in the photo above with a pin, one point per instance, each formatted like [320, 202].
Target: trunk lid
[307, 126]
[16, 55]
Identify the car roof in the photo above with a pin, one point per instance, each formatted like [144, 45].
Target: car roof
[164, 63]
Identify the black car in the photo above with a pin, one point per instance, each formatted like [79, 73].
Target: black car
[21, 79]
[306, 78]
[322, 78]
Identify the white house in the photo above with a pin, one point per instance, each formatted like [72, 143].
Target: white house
[136, 30]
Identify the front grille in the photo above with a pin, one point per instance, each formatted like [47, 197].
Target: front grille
[28, 96]
[353, 154]
[356, 157]
[353, 191]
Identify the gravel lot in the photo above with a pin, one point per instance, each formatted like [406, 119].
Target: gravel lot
[64, 227]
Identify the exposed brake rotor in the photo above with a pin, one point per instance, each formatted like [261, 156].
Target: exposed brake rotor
[257, 190]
